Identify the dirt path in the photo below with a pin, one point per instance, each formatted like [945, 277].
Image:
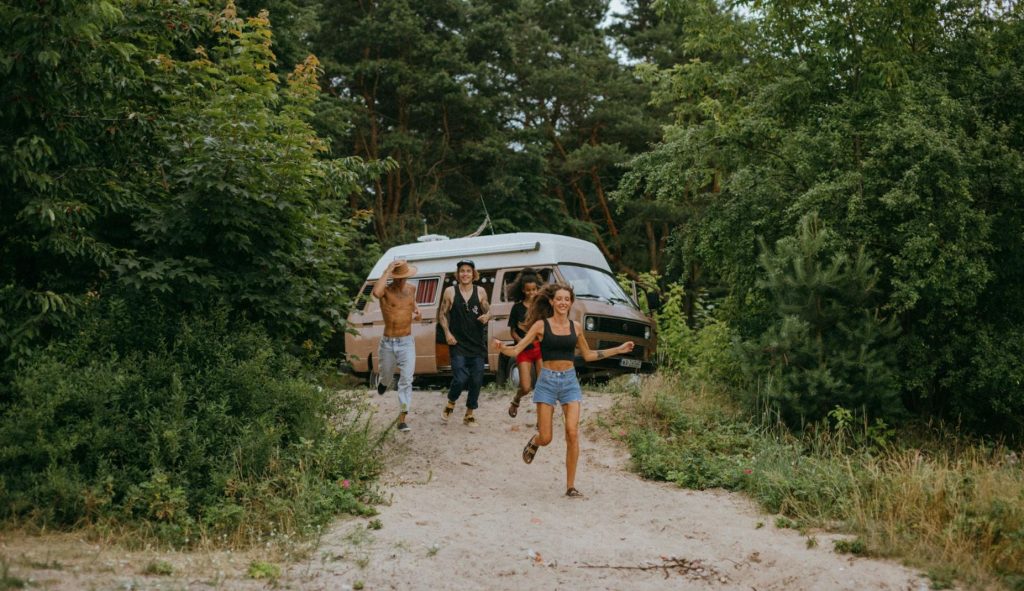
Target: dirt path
[466, 513]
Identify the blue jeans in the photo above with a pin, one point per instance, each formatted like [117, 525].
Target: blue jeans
[466, 372]
[400, 351]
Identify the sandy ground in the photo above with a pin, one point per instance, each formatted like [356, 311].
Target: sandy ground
[464, 512]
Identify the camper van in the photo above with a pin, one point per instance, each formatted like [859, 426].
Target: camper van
[609, 314]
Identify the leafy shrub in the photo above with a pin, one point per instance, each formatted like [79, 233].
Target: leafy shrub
[855, 546]
[259, 569]
[188, 427]
[702, 355]
[694, 450]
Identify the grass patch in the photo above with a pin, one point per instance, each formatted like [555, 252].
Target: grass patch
[937, 500]
[159, 568]
[855, 546]
[259, 569]
[9, 581]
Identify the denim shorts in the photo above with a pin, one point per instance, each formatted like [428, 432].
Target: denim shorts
[557, 387]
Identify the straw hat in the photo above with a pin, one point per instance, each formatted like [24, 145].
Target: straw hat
[403, 270]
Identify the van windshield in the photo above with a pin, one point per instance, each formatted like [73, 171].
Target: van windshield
[590, 283]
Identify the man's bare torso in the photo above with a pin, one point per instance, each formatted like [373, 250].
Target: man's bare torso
[397, 306]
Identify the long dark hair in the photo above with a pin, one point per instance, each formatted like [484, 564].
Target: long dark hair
[543, 305]
[515, 289]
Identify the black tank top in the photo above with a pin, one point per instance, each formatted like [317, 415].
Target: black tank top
[515, 318]
[558, 347]
[468, 331]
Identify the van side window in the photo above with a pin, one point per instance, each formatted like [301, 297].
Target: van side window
[486, 281]
[363, 297]
[426, 291]
[510, 277]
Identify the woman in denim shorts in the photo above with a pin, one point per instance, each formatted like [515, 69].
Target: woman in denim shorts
[560, 337]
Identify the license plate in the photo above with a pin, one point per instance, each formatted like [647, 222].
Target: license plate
[633, 363]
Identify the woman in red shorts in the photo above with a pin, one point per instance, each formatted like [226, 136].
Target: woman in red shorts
[522, 292]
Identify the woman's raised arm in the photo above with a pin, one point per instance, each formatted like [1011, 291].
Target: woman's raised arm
[536, 332]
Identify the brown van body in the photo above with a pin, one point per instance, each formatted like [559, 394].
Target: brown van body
[608, 320]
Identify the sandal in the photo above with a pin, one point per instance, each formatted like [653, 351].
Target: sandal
[513, 407]
[529, 451]
[447, 412]
[572, 493]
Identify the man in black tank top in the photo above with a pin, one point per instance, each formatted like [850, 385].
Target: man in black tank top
[463, 317]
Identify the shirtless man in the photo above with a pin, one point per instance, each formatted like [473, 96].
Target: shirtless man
[398, 306]
[463, 317]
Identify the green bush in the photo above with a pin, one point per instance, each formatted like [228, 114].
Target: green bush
[704, 355]
[190, 427]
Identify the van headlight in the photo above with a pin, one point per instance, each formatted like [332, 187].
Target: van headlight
[590, 323]
[647, 332]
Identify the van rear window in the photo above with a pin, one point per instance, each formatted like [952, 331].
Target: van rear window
[426, 290]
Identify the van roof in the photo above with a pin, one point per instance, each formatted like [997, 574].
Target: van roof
[520, 249]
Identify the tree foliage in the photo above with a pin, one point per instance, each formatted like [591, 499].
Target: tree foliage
[170, 224]
[171, 162]
[513, 110]
[886, 120]
[185, 150]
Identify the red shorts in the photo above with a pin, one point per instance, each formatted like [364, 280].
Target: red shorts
[530, 355]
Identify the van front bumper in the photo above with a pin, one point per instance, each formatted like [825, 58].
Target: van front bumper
[615, 365]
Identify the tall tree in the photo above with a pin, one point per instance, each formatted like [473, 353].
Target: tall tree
[677, 183]
[517, 110]
[246, 209]
[586, 110]
[400, 69]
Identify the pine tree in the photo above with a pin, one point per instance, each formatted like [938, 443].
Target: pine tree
[827, 346]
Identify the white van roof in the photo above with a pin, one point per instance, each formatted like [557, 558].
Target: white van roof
[520, 249]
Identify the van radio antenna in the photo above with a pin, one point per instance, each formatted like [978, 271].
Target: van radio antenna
[484, 224]
[487, 215]
[480, 228]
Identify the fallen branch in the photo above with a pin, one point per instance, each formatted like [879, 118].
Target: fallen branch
[683, 566]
